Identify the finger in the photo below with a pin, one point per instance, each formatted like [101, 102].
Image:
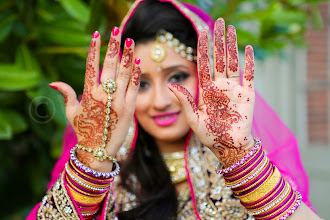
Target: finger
[111, 57]
[125, 68]
[187, 102]
[219, 51]
[134, 84]
[232, 55]
[203, 64]
[248, 75]
[69, 96]
[92, 63]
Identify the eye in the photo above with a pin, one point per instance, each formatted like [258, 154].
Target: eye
[179, 77]
[144, 85]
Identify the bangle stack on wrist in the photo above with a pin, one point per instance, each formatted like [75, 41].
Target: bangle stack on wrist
[260, 186]
[87, 186]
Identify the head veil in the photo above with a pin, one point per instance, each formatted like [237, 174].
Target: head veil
[278, 141]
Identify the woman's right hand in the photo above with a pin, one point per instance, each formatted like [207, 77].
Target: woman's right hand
[87, 117]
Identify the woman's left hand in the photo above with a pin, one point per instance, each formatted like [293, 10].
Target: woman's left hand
[222, 119]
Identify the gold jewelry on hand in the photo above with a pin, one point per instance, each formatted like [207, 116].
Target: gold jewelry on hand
[100, 153]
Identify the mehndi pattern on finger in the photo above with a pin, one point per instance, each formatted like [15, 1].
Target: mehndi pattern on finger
[127, 57]
[249, 64]
[232, 49]
[113, 47]
[136, 77]
[189, 97]
[219, 32]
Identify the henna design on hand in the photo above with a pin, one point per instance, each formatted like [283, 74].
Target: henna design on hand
[219, 32]
[85, 158]
[249, 65]
[221, 117]
[89, 125]
[189, 97]
[232, 50]
[127, 57]
[113, 47]
[136, 77]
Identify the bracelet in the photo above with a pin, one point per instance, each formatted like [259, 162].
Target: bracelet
[88, 170]
[99, 153]
[243, 160]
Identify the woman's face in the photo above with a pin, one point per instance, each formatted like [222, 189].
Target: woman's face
[158, 110]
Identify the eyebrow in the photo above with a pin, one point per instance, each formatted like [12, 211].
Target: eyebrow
[170, 69]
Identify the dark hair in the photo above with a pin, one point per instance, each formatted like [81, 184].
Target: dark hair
[156, 192]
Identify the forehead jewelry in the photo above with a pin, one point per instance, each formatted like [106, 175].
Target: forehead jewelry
[109, 86]
[158, 54]
[158, 51]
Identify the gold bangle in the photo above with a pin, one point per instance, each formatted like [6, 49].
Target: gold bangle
[84, 199]
[278, 192]
[283, 194]
[258, 181]
[276, 208]
[263, 189]
[294, 202]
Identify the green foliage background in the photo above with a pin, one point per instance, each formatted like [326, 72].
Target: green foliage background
[43, 41]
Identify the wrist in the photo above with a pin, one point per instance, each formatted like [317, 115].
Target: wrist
[231, 155]
[88, 159]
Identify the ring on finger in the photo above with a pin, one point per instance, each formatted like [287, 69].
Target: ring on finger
[234, 76]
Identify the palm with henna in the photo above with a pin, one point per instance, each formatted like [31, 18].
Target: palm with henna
[222, 119]
[87, 117]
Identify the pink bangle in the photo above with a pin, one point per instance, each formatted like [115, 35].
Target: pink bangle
[294, 208]
[242, 161]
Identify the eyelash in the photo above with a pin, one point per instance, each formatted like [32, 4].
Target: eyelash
[175, 78]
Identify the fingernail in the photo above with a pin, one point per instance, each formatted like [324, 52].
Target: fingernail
[96, 34]
[129, 42]
[54, 87]
[115, 31]
[137, 61]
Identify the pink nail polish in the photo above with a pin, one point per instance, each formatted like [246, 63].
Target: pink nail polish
[96, 34]
[115, 31]
[137, 61]
[129, 42]
[54, 87]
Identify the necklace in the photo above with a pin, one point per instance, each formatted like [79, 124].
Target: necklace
[175, 164]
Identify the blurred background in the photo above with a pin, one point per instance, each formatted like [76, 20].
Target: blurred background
[47, 40]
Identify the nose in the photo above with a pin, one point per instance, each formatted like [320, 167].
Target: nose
[162, 97]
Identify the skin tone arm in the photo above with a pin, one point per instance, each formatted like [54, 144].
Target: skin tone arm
[87, 117]
[223, 118]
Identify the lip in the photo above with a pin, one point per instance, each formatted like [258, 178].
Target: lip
[166, 119]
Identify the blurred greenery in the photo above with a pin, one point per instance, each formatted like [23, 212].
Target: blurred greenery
[43, 41]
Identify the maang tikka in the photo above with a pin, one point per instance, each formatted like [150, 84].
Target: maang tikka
[158, 50]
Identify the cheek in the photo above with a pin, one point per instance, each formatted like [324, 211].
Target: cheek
[142, 105]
